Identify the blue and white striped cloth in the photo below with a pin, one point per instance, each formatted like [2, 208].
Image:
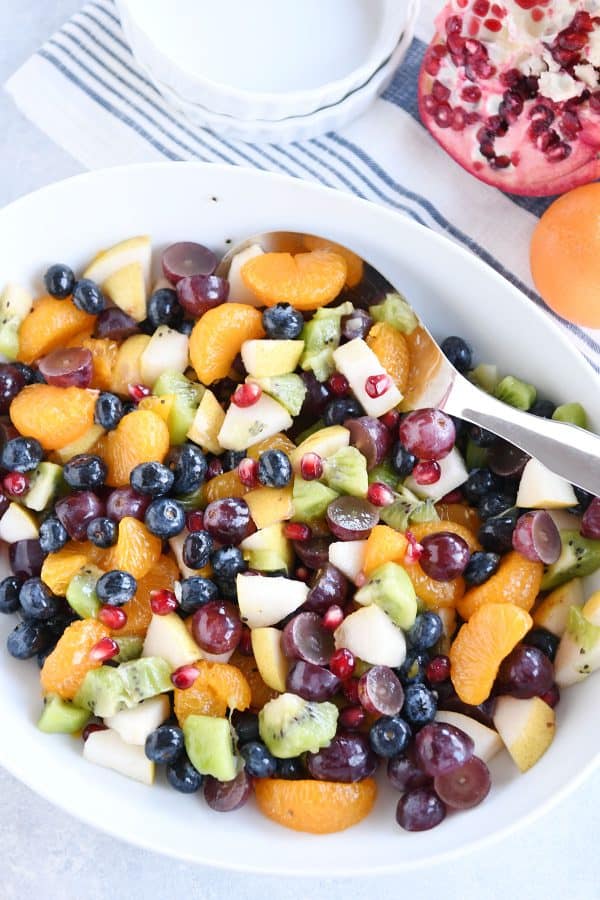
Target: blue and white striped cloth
[85, 90]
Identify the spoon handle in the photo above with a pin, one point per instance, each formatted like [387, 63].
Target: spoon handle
[565, 449]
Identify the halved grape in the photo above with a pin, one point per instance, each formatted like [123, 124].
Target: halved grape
[77, 511]
[356, 325]
[445, 555]
[225, 796]
[371, 437]
[465, 787]
[124, 501]
[428, 433]
[505, 459]
[71, 367]
[305, 638]
[380, 691]
[187, 258]
[314, 552]
[311, 682]
[405, 775]
[440, 748]
[199, 293]
[26, 558]
[536, 537]
[420, 810]
[228, 520]
[352, 518]
[217, 627]
[348, 758]
[526, 672]
[590, 524]
[115, 324]
[328, 586]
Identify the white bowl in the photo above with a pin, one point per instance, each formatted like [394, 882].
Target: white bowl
[266, 59]
[215, 205]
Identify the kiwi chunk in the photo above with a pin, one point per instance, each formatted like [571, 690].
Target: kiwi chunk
[396, 311]
[574, 413]
[146, 677]
[209, 745]
[321, 337]
[108, 689]
[390, 588]
[485, 376]
[515, 392]
[310, 499]
[130, 647]
[289, 390]
[61, 717]
[187, 394]
[45, 483]
[346, 472]
[81, 592]
[290, 725]
[579, 557]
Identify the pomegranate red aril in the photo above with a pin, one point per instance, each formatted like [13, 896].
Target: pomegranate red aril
[380, 691]
[342, 663]
[163, 602]
[438, 670]
[351, 518]
[379, 494]
[338, 384]
[16, 484]
[440, 92]
[246, 395]
[311, 466]
[195, 520]
[351, 718]
[137, 392]
[106, 648]
[187, 258]
[414, 551]
[184, 677]
[113, 617]
[429, 434]
[377, 385]
[70, 367]
[459, 119]
[350, 691]
[427, 472]
[537, 537]
[248, 472]
[443, 117]
[551, 696]
[333, 618]
[296, 531]
[481, 7]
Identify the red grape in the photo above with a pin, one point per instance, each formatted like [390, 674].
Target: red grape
[26, 558]
[327, 587]
[404, 774]
[70, 367]
[305, 638]
[317, 396]
[312, 682]
[536, 537]
[124, 501]
[199, 293]
[445, 555]
[115, 324]
[440, 748]
[380, 691]
[314, 552]
[371, 437]
[348, 758]
[526, 672]
[420, 810]
[352, 518]
[227, 520]
[216, 627]
[428, 433]
[356, 325]
[466, 786]
[187, 258]
[77, 511]
[225, 796]
[11, 382]
[505, 459]
[590, 524]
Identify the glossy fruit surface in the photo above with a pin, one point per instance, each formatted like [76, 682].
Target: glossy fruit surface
[68, 368]
[70, 661]
[427, 433]
[140, 437]
[216, 627]
[136, 550]
[465, 787]
[348, 758]
[218, 337]
[420, 809]
[305, 281]
[305, 638]
[441, 748]
[217, 687]
[526, 672]
[517, 581]
[318, 807]
[54, 416]
[445, 556]
[49, 326]
[227, 796]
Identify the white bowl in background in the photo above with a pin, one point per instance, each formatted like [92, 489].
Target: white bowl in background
[217, 205]
[266, 59]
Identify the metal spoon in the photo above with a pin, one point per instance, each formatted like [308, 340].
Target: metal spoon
[565, 449]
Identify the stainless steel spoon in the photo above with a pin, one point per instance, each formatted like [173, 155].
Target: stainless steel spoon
[565, 449]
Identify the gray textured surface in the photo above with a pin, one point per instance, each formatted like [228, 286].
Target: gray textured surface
[45, 853]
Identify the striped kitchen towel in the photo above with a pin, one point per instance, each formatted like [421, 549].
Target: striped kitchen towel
[85, 90]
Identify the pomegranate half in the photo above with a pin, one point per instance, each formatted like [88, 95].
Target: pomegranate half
[511, 91]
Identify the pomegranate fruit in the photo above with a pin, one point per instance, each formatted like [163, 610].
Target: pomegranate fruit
[511, 90]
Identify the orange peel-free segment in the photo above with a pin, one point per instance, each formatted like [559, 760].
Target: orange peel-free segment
[481, 645]
[50, 325]
[218, 336]
[391, 349]
[517, 581]
[104, 356]
[306, 280]
[68, 664]
[59, 568]
[140, 437]
[384, 544]
[459, 513]
[260, 693]
[227, 484]
[435, 594]
[162, 576]
[218, 687]
[136, 550]
[55, 416]
[354, 264]
[318, 807]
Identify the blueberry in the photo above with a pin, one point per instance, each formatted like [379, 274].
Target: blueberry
[28, 639]
[186, 327]
[544, 640]
[164, 308]
[53, 535]
[227, 562]
[389, 736]
[420, 705]
[30, 375]
[425, 631]
[458, 352]
[109, 411]
[85, 472]
[57, 624]
[164, 744]
[480, 482]
[59, 281]
[115, 588]
[88, 297]
[259, 762]
[11, 382]
[182, 775]
[402, 461]
[274, 468]
[480, 567]
[494, 503]
[21, 454]
[151, 478]
[245, 724]
[196, 592]
[188, 465]
[227, 588]
[337, 411]
[283, 322]
[165, 517]
[102, 532]
[9, 594]
[542, 408]
[197, 548]
[496, 534]
[37, 600]
[584, 499]
[128, 407]
[481, 436]
[412, 670]
[292, 769]
[231, 459]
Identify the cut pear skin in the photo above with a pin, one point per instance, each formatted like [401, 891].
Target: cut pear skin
[18, 524]
[168, 638]
[539, 488]
[265, 358]
[357, 362]
[272, 663]
[553, 611]
[108, 749]
[123, 273]
[166, 351]
[245, 426]
[264, 601]
[238, 292]
[134, 725]
[207, 423]
[578, 653]
[325, 442]
[487, 741]
[526, 728]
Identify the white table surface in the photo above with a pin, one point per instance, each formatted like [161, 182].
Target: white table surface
[46, 854]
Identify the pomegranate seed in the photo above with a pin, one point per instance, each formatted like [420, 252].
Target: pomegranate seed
[459, 119]
[475, 49]
[471, 93]
[443, 116]
[582, 21]
[215, 467]
[452, 497]
[311, 466]
[559, 152]
[246, 395]
[16, 484]
[91, 728]
[537, 15]
[481, 7]
[333, 618]
[473, 27]
[552, 696]
[427, 472]
[245, 644]
[105, 649]
[184, 677]
[595, 101]
[302, 573]
[483, 68]
[195, 520]
[342, 663]
[438, 669]
[248, 472]
[338, 384]
[456, 45]
[498, 10]
[137, 392]
[500, 162]
[497, 125]
[296, 531]
[378, 385]
[453, 24]
[515, 158]
[113, 617]
[163, 602]
[440, 91]
[493, 25]
[414, 550]
[430, 104]
[439, 50]
[379, 494]
[391, 419]
[471, 119]
[432, 65]
[350, 690]
[352, 717]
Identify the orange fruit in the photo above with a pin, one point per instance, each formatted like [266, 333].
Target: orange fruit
[425, 360]
[218, 336]
[140, 437]
[162, 406]
[55, 416]
[306, 280]
[104, 356]
[565, 256]
[260, 692]
[422, 529]
[384, 544]
[517, 581]
[163, 575]
[481, 645]
[218, 687]
[59, 568]
[81, 336]
[319, 807]
[435, 594]
[49, 326]
[354, 264]
[459, 513]
[391, 349]
[227, 484]
[136, 550]
[278, 441]
[68, 664]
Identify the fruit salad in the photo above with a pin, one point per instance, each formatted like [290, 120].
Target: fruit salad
[241, 556]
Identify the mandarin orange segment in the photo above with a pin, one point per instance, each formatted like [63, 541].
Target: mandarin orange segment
[425, 360]
[354, 264]
[81, 336]
[278, 441]
[435, 594]
[59, 568]
[306, 280]
[481, 645]
[460, 513]
[259, 691]
[391, 349]
[163, 575]
[218, 336]
[140, 437]
[162, 406]
[422, 529]
[517, 581]
[218, 687]
[104, 356]
[318, 807]
[136, 550]
[49, 326]
[227, 484]
[384, 544]
[68, 664]
[55, 416]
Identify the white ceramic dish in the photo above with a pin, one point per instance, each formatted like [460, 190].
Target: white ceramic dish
[266, 59]
[215, 205]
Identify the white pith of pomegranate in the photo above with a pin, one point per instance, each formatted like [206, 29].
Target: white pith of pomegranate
[511, 91]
